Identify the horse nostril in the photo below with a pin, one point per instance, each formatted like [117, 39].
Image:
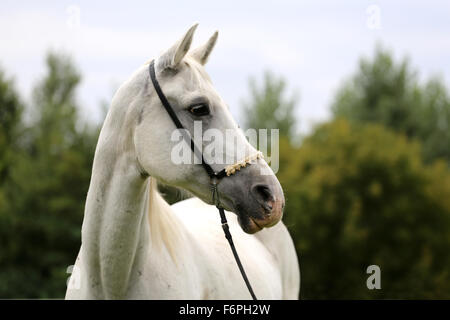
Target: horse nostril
[264, 191]
[263, 195]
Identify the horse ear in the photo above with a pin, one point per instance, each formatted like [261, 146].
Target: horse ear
[172, 57]
[201, 53]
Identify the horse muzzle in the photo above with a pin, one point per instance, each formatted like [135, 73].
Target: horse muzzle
[265, 209]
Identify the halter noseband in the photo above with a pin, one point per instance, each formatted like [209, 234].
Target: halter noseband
[215, 177]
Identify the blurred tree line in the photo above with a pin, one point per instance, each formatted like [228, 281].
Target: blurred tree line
[370, 186]
[45, 167]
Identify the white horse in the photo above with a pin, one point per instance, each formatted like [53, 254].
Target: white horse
[136, 246]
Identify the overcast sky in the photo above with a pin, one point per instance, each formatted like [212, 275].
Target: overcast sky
[313, 44]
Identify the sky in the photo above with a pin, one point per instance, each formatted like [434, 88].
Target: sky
[314, 45]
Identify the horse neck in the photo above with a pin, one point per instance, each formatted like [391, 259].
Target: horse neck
[115, 232]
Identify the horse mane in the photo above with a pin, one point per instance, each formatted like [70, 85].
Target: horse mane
[163, 222]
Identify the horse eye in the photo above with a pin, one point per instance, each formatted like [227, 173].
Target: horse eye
[199, 110]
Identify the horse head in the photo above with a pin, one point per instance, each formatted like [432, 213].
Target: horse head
[253, 192]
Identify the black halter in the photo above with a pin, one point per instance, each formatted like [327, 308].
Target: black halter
[214, 176]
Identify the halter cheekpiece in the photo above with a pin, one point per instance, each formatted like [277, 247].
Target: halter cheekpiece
[215, 177]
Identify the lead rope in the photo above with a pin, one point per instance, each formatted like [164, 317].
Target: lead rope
[226, 230]
[214, 176]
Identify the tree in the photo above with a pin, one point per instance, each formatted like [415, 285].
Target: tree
[360, 195]
[388, 92]
[269, 108]
[10, 126]
[10, 122]
[55, 105]
[434, 125]
[50, 178]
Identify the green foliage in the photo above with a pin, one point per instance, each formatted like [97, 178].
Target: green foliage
[388, 92]
[361, 195]
[358, 190]
[10, 126]
[49, 181]
[55, 105]
[10, 123]
[268, 107]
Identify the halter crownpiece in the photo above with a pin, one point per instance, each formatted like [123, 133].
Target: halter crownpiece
[231, 169]
[214, 176]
